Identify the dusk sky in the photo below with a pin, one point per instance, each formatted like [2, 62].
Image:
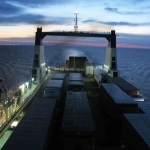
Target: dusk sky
[130, 18]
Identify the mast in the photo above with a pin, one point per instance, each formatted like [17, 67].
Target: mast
[76, 22]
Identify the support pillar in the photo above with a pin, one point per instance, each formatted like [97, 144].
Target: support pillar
[110, 64]
[38, 68]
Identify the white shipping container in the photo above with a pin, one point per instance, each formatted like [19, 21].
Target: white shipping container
[89, 69]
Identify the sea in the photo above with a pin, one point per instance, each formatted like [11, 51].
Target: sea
[16, 62]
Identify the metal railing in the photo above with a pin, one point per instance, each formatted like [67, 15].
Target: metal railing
[69, 69]
[83, 31]
[26, 99]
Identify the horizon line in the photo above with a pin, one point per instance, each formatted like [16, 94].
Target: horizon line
[120, 45]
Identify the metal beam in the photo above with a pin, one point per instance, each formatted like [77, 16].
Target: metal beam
[79, 34]
[111, 37]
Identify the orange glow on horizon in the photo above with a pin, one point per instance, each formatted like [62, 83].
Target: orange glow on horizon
[132, 46]
[86, 43]
[96, 44]
[17, 41]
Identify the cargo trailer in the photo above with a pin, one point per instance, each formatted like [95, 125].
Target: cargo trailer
[75, 77]
[145, 107]
[75, 85]
[77, 127]
[59, 76]
[35, 129]
[136, 131]
[117, 101]
[54, 85]
[52, 94]
[125, 86]
[101, 76]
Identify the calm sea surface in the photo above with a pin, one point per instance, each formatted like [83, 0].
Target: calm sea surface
[16, 62]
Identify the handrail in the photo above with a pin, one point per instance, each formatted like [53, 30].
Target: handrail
[29, 95]
[82, 31]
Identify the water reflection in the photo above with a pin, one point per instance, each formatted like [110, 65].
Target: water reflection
[72, 52]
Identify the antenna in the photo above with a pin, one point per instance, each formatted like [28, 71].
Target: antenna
[76, 22]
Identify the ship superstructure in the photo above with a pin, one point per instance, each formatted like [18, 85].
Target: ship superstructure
[110, 65]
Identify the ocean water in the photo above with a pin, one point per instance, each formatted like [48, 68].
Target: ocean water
[16, 62]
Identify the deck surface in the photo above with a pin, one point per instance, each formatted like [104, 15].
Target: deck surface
[100, 118]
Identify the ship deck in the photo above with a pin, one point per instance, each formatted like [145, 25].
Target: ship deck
[106, 112]
[101, 120]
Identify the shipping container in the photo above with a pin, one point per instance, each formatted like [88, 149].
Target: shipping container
[75, 77]
[145, 107]
[75, 85]
[89, 69]
[58, 76]
[125, 86]
[77, 126]
[117, 101]
[35, 129]
[54, 85]
[101, 76]
[56, 94]
[77, 119]
[136, 130]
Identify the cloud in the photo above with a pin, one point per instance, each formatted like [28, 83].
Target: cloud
[141, 1]
[111, 9]
[17, 13]
[27, 19]
[6, 8]
[115, 10]
[33, 19]
[34, 3]
[113, 23]
[90, 21]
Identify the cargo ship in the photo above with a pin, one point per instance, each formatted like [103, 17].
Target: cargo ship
[82, 105]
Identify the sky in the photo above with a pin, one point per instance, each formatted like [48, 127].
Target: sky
[130, 19]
